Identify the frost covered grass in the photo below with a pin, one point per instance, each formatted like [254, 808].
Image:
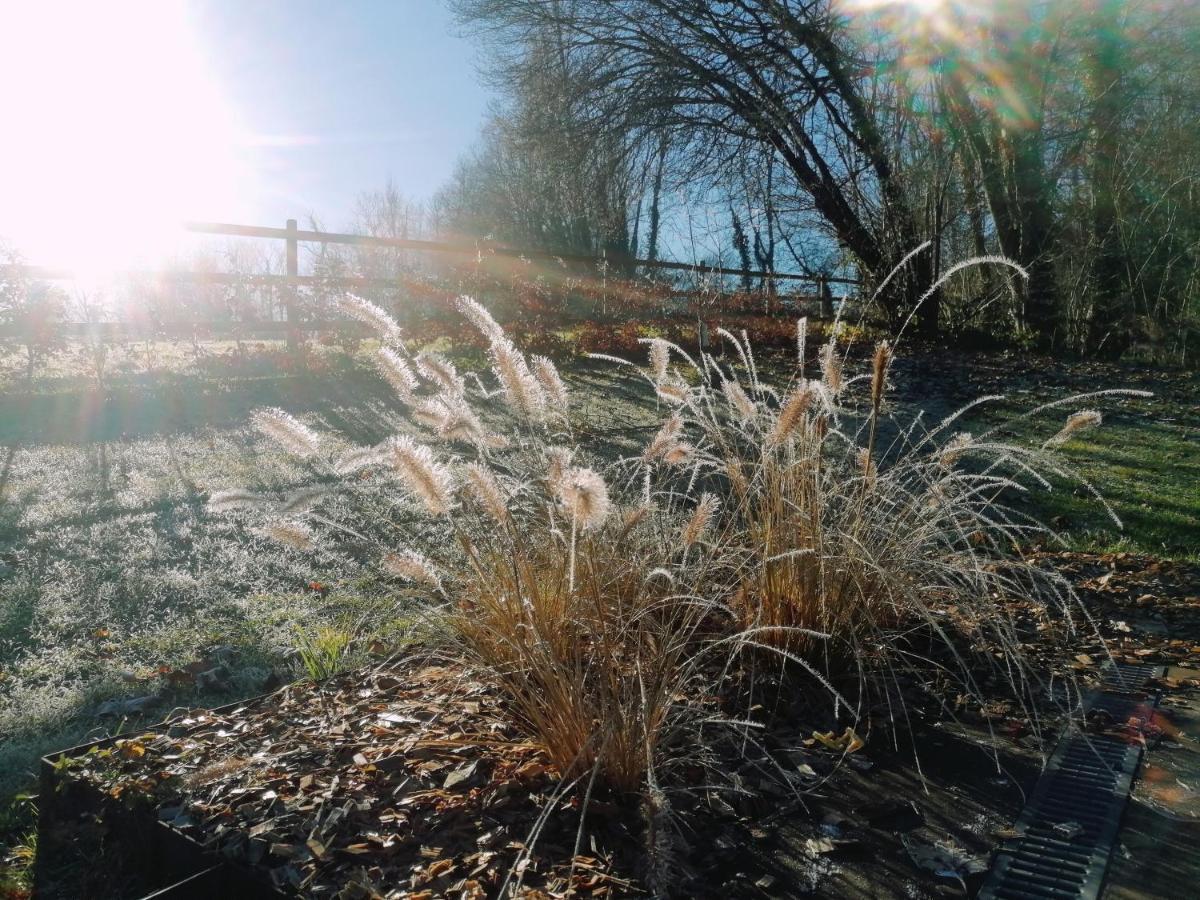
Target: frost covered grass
[102, 526]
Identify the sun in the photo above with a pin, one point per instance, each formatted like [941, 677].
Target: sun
[115, 132]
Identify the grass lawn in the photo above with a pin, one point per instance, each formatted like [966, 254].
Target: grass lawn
[112, 573]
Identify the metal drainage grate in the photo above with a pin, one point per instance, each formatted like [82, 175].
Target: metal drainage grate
[1067, 829]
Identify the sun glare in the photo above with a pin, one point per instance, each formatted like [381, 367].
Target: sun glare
[115, 133]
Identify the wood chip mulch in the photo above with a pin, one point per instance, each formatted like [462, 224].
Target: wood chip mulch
[397, 783]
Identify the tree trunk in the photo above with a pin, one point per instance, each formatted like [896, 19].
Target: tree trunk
[1109, 329]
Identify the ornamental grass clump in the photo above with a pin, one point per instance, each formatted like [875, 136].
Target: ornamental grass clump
[578, 605]
[850, 541]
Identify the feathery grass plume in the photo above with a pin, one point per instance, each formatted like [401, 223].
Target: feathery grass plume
[879, 367]
[303, 499]
[738, 400]
[477, 315]
[236, 499]
[866, 464]
[558, 460]
[438, 369]
[635, 516]
[551, 382]
[660, 358]
[291, 534]
[450, 419]
[393, 367]
[700, 520]
[831, 368]
[462, 425]
[666, 437]
[426, 479]
[679, 454]
[585, 495]
[675, 394]
[801, 341]
[357, 459]
[287, 431]
[1078, 422]
[374, 317]
[520, 389]
[482, 484]
[953, 450]
[790, 415]
[431, 414]
[410, 565]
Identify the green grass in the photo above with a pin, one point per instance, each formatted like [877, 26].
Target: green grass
[1150, 474]
[1144, 460]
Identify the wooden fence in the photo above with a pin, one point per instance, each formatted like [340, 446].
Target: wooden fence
[293, 236]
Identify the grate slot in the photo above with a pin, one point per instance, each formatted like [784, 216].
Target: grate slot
[1086, 781]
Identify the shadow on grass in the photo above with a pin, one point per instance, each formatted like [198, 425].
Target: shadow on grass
[176, 404]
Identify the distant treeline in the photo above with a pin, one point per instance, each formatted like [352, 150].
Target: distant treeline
[836, 136]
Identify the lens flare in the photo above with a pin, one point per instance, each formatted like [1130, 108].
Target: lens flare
[115, 132]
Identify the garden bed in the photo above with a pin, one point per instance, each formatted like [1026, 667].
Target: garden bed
[405, 782]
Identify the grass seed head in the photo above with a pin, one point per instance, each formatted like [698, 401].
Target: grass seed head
[482, 484]
[585, 495]
[296, 535]
[287, 432]
[396, 371]
[425, 478]
[412, 566]
[1077, 423]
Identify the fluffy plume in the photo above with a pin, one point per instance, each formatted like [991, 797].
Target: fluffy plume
[660, 358]
[426, 479]
[291, 534]
[302, 500]
[431, 414]
[411, 565]
[558, 460]
[482, 484]
[790, 415]
[357, 459]
[1084, 420]
[372, 316]
[679, 454]
[737, 398]
[865, 464]
[584, 493]
[521, 390]
[450, 419]
[675, 394]
[666, 438]
[477, 315]
[462, 425]
[225, 500]
[287, 431]
[701, 519]
[831, 368]
[394, 368]
[635, 516]
[954, 448]
[551, 382]
[439, 369]
[879, 367]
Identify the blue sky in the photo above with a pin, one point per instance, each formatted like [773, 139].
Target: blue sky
[337, 98]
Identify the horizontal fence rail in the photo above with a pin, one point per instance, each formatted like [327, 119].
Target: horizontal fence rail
[491, 249]
[292, 324]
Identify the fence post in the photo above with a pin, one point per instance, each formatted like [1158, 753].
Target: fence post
[289, 296]
[826, 296]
